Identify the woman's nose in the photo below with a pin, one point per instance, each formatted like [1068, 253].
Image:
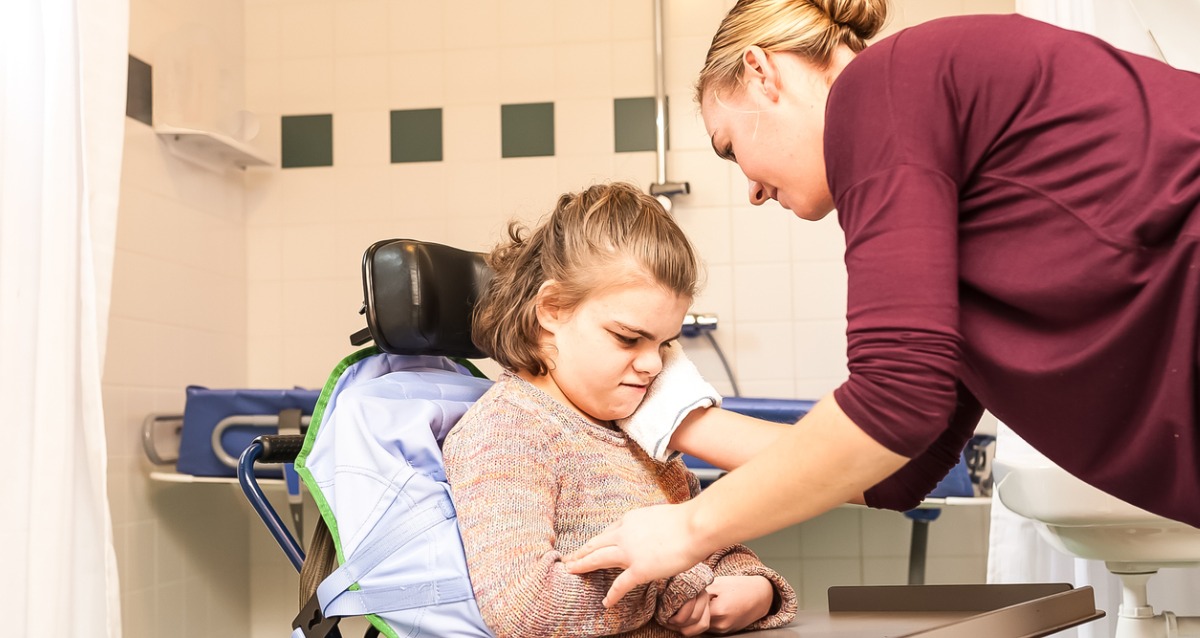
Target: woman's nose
[758, 193]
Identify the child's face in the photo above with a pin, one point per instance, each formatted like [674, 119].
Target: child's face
[608, 349]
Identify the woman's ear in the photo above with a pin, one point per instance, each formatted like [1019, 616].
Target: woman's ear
[549, 314]
[760, 73]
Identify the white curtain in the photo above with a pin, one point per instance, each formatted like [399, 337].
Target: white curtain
[62, 104]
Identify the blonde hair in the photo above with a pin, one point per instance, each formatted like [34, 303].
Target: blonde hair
[608, 235]
[812, 29]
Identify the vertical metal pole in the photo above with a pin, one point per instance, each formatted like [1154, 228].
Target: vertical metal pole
[660, 96]
[916, 552]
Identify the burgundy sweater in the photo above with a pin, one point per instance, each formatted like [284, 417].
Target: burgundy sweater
[1020, 204]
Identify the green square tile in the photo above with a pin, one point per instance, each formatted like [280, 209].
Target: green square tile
[307, 140]
[417, 136]
[633, 124]
[139, 91]
[527, 130]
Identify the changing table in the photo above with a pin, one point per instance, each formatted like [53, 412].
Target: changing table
[944, 611]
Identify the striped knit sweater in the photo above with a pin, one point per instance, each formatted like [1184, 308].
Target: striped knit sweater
[532, 481]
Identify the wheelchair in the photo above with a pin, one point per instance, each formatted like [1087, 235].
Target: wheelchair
[387, 544]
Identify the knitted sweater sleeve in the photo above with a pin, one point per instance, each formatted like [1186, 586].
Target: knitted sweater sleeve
[739, 560]
[505, 490]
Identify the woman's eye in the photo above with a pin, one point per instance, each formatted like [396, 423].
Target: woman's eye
[728, 153]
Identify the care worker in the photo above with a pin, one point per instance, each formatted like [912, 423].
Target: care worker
[1021, 207]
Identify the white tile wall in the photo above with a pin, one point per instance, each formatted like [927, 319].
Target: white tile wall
[356, 142]
[527, 74]
[306, 29]
[472, 24]
[416, 80]
[525, 23]
[178, 317]
[471, 132]
[360, 83]
[581, 20]
[633, 67]
[306, 84]
[361, 28]
[252, 280]
[419, 25]
[763, 293]
[582, 70]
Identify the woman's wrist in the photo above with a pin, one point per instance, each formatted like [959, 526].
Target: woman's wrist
[701, 526]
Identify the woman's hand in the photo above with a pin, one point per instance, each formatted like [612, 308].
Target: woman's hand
[736, 601]
[648, 543]
[823, 461]
[693, 618]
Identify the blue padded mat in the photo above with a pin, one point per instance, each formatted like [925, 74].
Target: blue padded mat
[205, 408]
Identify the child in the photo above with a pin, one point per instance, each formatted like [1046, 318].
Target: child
[581, 314]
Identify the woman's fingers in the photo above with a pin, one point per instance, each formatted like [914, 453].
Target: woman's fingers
[648, 543]
[623, 584]
[600, 557]
[600, 552]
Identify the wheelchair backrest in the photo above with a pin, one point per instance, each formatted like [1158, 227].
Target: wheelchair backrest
[372, 457]
[418, 297]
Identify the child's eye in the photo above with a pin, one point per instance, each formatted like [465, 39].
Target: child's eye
[627, 341]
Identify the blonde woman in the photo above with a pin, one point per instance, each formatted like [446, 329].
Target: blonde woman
[1020, 205]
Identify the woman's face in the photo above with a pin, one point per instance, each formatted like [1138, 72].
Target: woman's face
[774, 131]
[606, 351]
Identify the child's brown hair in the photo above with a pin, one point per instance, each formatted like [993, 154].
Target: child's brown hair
[607, 235]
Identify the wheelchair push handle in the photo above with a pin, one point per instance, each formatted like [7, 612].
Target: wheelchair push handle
[279, 448]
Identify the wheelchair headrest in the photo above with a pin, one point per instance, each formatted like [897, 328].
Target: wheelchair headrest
[419, 297]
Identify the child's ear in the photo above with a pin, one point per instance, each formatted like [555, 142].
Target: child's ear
[549, 313]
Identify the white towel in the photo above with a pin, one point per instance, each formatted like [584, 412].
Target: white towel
[675, 392]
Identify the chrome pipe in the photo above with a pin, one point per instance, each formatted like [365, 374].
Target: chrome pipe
[660, 96]
[661, 188]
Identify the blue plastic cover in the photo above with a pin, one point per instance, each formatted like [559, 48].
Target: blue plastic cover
[205, 408]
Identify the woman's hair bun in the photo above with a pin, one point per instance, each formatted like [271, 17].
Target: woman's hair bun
[864, 18]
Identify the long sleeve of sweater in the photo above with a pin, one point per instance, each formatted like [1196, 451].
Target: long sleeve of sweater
[740, 560]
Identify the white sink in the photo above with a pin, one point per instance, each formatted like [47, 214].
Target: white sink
[1083, 521]
[1086, 522]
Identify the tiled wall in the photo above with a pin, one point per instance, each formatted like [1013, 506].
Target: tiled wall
[178, 317]
[231, 279]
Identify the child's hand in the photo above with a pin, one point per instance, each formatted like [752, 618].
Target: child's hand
[737, 601]
[692, 619]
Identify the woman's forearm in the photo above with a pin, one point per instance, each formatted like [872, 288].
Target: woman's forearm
[723, 438]
[821, 462]
[727, 439]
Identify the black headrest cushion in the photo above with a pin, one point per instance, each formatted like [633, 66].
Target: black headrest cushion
[419, 297]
